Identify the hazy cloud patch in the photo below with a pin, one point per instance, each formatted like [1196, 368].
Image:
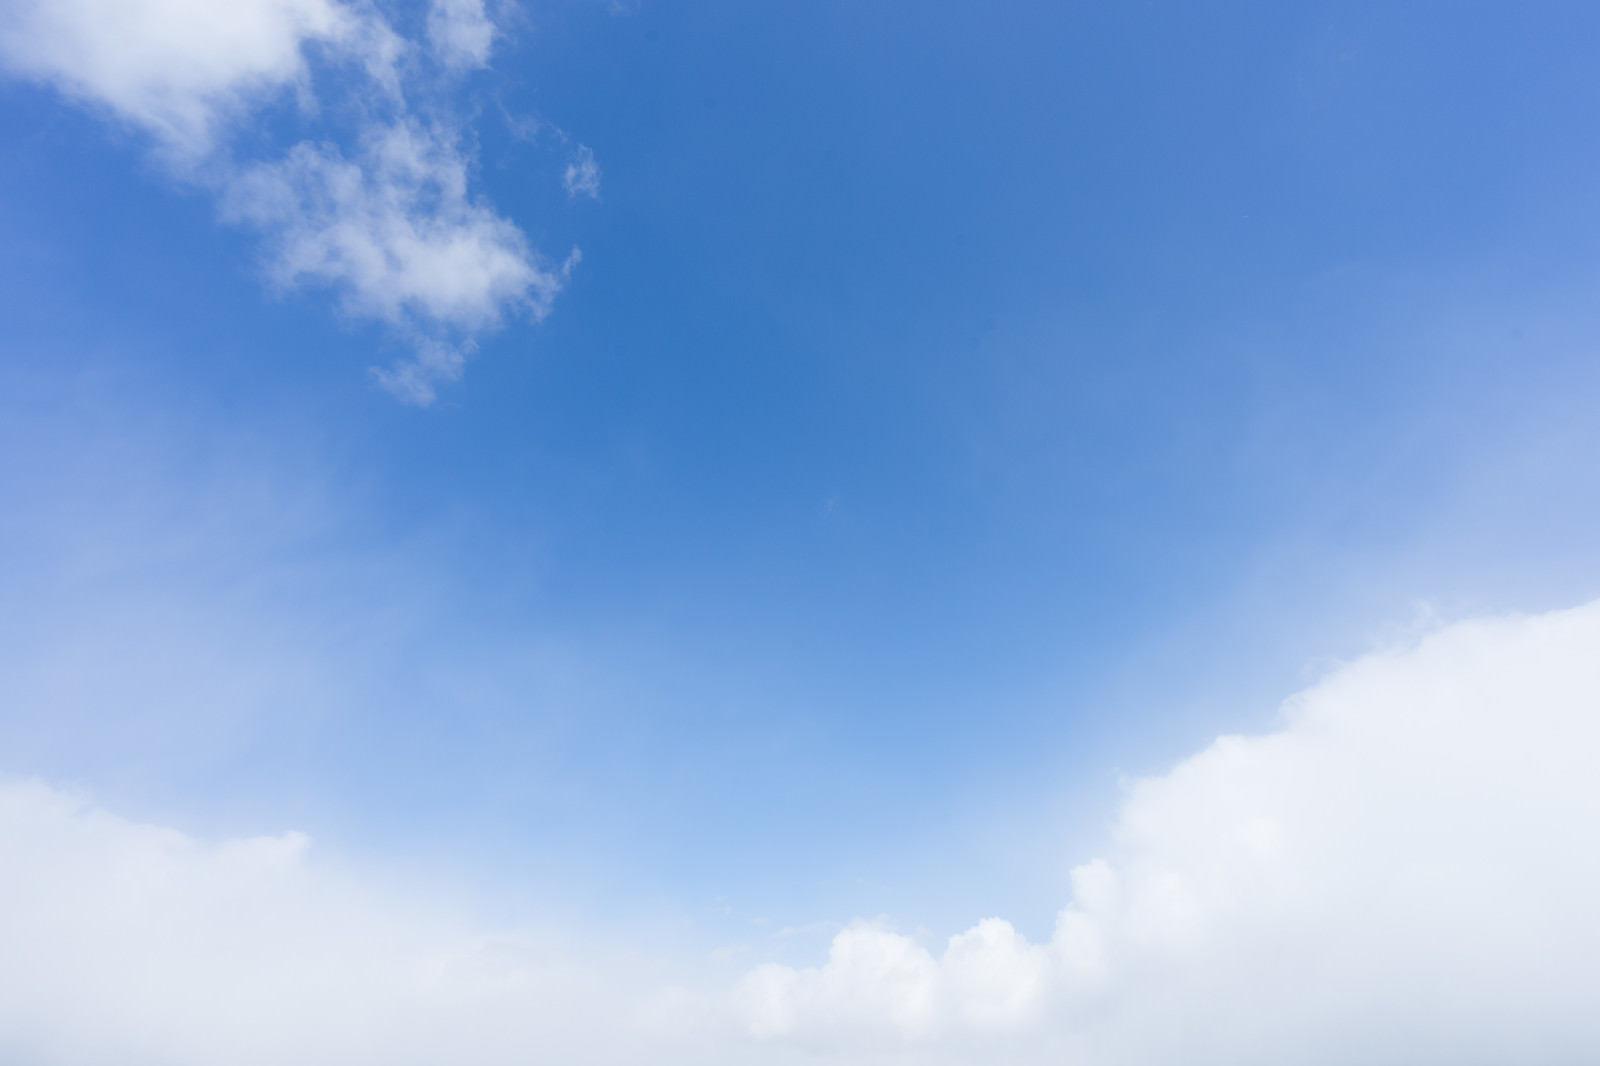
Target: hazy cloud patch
[582, 177]
[461, 33]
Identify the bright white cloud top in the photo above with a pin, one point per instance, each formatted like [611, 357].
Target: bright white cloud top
[392, 226]
[1404, 871]
[183, 69]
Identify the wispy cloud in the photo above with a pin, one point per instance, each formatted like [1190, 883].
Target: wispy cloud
[386, 220]
[394, 230]
[582, 177]
[460, 32]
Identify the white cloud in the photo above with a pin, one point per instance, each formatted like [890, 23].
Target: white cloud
[879, 987]
[393, 229]
[132, 944]
[396, 233]
[1403, 872]
[582, 177]
[181, 69]
[461, 33]
[387, 221]
[417, 380]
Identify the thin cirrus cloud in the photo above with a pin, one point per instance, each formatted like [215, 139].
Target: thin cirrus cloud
[1403, 871]
[389, 222]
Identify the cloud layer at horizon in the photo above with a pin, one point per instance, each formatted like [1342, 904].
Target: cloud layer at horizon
[1402, 872]
[388, 223]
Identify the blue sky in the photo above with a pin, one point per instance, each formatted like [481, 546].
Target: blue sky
[954, 410]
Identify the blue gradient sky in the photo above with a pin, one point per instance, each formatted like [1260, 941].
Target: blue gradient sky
[956, 407]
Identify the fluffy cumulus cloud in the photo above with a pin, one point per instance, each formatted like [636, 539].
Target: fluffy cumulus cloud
[385, 220]
[1402, 872]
